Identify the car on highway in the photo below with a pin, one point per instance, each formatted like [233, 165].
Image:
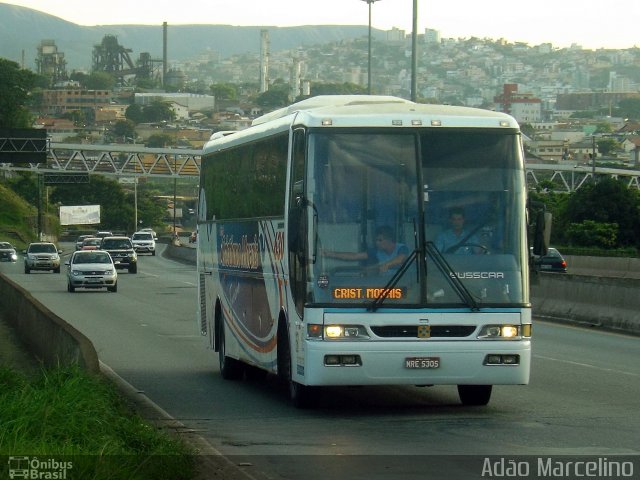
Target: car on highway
[8, 252]
[143, 242]
[553, 261]
[103, 233]
[122, 252]
[42, 256]
[91, 243]
[91, 269]
[80, 239]
[151, 231]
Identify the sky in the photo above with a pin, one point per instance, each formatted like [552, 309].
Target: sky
[591, 24]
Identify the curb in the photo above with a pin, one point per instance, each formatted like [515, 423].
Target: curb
[210, 463]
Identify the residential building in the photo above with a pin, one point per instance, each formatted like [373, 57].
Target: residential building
[191, 101]
[524, 107]
[57, 102]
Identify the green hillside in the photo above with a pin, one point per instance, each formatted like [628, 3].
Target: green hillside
[17, 218]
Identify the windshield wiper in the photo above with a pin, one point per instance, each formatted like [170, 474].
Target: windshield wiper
[452, 278]
[392, 281]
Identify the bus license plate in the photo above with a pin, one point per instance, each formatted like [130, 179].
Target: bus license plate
[422, 362]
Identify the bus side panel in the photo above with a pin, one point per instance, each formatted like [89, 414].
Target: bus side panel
[207, 293]
[251, 284]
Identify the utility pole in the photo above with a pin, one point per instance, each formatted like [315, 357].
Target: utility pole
[414, 53]
[593, 158]
[369, 56]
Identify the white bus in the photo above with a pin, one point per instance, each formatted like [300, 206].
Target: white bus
[291, 282]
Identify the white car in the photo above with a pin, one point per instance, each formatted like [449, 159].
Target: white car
[91, 269]
[151, 231]
[143, 242]
[42, 256]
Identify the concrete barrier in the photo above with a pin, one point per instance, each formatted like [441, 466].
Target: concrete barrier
[45, 335]
[181, 252]
[609, 302]
[615, 267]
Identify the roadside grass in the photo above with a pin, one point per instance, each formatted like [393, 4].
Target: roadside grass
[14, 215]
[69, 415]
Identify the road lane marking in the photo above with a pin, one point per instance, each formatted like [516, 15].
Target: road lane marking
[587, 365]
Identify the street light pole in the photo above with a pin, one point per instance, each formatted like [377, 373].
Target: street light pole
[369, 56]
[414, 53]
[135, 203]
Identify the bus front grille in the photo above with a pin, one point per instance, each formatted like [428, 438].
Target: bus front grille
[411, 331]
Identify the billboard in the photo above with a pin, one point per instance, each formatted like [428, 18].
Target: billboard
[80, 215]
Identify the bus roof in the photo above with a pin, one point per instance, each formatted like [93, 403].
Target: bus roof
[352, 111]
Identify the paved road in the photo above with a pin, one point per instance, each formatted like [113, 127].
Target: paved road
[582, 399]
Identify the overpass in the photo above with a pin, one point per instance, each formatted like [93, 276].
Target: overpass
[121, 160]
[126, 160]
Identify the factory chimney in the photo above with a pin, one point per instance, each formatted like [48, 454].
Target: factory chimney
[264, 60]
[164, 53]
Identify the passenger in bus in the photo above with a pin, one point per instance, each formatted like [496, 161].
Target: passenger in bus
[386, 257]
[456, 239]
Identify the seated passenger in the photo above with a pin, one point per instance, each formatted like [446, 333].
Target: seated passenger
[388, 254]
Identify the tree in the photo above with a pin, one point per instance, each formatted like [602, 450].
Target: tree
[593, 234]
[224, 91]
[609, 201]
[630, 108]
[345, 88]
[160, 140]
[158, 112]
[604, 127]
[607, 146]
[275, 97]
[25, 184]
[134, 113]
[116, 209]
[124, 129]
[15, 85]
[100, 81]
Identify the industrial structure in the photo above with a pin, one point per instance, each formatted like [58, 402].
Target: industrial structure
[50, 62]
[264, 60]
[111, 57]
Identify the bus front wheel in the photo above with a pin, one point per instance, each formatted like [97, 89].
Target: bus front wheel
[474, 394]
[300, 395]
[230, 368]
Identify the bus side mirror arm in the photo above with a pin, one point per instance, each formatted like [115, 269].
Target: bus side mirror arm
[541, 229]
[295, 237]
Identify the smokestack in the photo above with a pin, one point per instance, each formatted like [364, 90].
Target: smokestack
[264, 60]
[164, 53]
[294, 80]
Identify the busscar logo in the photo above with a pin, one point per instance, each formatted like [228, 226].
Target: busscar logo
[41, 469]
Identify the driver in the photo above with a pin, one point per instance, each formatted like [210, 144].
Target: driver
[456, 239]
[388, 254]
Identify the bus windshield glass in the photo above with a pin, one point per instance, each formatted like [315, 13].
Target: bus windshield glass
[437, 210]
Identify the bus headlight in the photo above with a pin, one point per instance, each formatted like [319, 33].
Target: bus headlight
[345, 332]
[500, 332]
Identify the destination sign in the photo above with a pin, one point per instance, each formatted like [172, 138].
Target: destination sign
[367, 293]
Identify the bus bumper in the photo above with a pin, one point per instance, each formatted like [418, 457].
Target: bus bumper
[415, 363]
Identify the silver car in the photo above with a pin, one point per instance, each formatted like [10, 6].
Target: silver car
[42, 256]
[91, 269]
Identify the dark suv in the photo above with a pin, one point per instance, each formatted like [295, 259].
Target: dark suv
[122, 252]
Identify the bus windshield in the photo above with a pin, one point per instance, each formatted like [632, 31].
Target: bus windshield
[437, 210]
